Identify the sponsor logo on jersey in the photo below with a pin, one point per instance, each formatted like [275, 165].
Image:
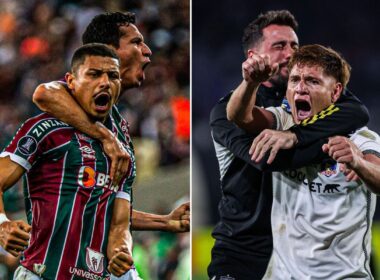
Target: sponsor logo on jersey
[94, 260]
[321, 115]
[89, 178]
[86, 274]
[316, 187]
[331, 188]
[39, 268]
[47, 125]
[329, 168]
[27, 145]
[87, 152]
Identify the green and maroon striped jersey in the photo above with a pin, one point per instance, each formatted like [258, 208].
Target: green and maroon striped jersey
[69, 196]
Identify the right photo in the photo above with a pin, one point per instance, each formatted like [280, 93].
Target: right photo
[285, 140]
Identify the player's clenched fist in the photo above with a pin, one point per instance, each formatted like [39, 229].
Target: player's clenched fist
[121, 262]
[257, 68]
[14, 236]
[344, 151]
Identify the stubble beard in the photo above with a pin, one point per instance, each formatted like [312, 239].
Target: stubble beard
[280, 82]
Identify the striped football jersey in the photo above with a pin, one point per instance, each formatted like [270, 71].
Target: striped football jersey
[68, 195]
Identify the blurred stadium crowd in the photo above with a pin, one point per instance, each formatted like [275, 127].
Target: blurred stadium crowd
[37, 39]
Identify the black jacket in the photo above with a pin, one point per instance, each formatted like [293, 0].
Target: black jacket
[244, 229]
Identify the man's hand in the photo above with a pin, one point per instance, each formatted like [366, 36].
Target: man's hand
[121, 262]
[120, 159]
[14, 236]
[345, 152]
[179, 218]
[272, 140]
[257, 69]
[54, 99]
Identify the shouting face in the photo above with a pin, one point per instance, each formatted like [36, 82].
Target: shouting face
[96, 85]
[134, 56]
[310, 91]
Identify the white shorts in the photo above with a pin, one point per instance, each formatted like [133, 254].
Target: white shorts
[22, 273]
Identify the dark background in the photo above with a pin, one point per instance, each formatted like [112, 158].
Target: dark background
[350, 27]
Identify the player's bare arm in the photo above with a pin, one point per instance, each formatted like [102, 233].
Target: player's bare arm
[119, 239]
[177, 220]
[241, 107]
[366, 167]
[54, 99]
[14, 235]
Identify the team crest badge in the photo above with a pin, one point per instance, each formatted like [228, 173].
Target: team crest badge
[39, 268]
[329, 168]
[94, 260]
[27, 145]
[286, 106]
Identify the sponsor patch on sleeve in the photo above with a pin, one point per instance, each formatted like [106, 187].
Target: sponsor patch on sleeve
[27, 145]
[367, 134]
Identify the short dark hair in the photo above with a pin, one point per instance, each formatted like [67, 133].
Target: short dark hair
[93, 49]
[332, 63]
[253, 33]
[104, 28]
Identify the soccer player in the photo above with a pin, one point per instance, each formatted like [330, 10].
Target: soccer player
[321, 222]
[243, 235]
[79, 218]
[119, 32]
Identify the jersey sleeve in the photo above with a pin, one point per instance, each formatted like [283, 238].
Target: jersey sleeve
[125, 191]
[121, 127]
[341, 118]
[367, 141]
[283, 119]
[238, 142]
[32, 140]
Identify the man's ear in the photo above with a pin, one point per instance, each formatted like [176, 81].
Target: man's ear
[336, 92]
[69, 77]
[250, 53]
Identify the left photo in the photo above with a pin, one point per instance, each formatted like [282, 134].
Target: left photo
[95, 139]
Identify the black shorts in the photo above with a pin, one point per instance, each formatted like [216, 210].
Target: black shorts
[231, 266]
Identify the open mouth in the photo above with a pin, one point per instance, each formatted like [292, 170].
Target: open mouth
[145, 65]
[303, 109]
[102, 101]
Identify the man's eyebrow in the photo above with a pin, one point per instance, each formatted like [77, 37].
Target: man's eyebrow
[279, 42]
[113, 69]
[284, 42]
